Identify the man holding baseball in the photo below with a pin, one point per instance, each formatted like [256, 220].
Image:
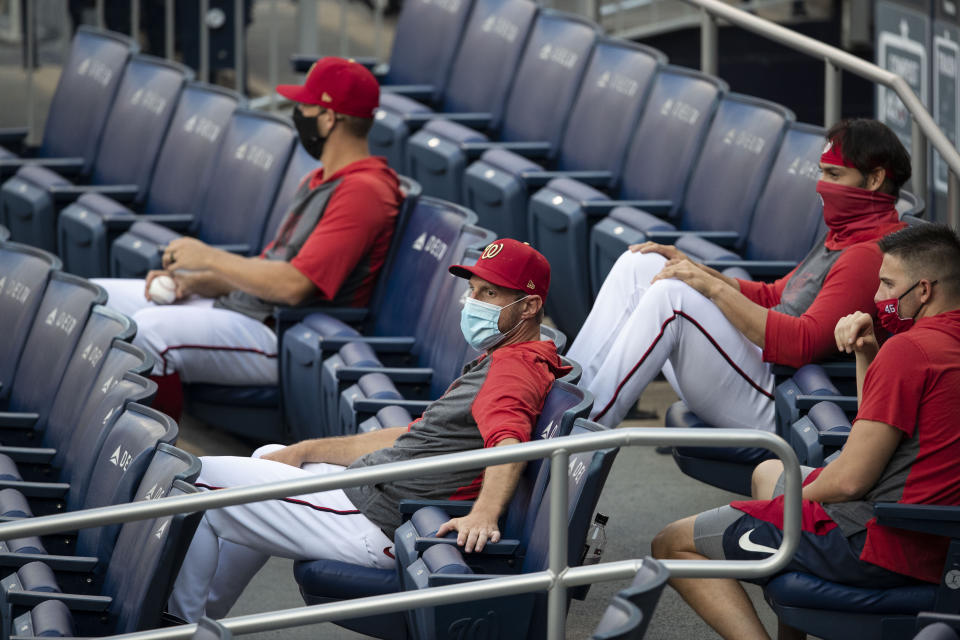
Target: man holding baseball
[329, 249]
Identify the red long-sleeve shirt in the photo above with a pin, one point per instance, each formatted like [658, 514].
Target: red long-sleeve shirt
[849, 286]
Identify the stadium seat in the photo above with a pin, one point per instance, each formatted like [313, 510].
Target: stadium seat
[630, 611]
[113, 474]
[518, 615]
[613, 91]
[479, 78]
[425, 249]
[945, 626]
[4, 233]
[23, 277]
[835, 612]
[534, 117]
[86, 228]
[258, 411]
[324, 581]
[103, 327]
[62, 314]
[425, 40]
[129, 595]
[820, 432]
[125, 160]
[240, 190]
[659, 159]
[78, 111]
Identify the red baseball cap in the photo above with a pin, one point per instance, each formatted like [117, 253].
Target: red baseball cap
[511, 264]
[343, 86]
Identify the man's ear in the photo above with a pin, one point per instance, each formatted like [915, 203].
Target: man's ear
[875, 178]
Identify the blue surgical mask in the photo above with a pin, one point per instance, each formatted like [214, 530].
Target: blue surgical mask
[480, 323]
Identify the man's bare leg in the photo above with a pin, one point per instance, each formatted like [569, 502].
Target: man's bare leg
[721, 602]
[764, 479]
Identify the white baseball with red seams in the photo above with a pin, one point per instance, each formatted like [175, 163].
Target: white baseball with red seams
[163, 290]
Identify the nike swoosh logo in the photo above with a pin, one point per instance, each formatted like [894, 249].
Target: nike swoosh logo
[748, 545]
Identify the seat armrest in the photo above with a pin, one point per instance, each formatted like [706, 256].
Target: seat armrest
[525, 149]
[74, 602]
[833, 438]
[66, 193]
[37, 489]
[175, 221]
[63, 166]
[653, 207]
[846, 403]
[599, 179]
[455, 508]
[71, 564]
[935, 519]
[29, 455]
[402, 375]
[501, 548]
[475, 120]
[17, 420]
[379, 344]
[722, 238]
[371, 406]
[421, 92]
[763, 268]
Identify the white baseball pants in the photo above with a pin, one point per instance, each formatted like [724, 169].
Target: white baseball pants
[195, 340]
[233, 543]
[637, 329]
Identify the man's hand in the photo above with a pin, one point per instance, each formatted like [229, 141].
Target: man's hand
[154, 274]
[190, 254]
[668, 251]
[690, 273]
[474, 530]
[292, 455]
[854, 334]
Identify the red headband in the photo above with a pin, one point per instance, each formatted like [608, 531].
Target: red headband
[833, 155]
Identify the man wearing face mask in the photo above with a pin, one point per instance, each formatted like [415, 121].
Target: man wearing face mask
[715, 338]
[494, 403]
[903, 447]
[328, 249]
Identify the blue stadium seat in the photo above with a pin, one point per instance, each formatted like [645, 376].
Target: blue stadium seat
[125, 160]
[659, 160]
[443, 564]
[630, 611]
[301, 164]
[534, 117]
[938, 626]
[324, 581]
[87, 227]
[23, 277]
[812, 434]
[132, 591]
[612, 93]
[232, 214]
[258, 411]
[62, 314]
[426, 247]
[479, 78]
[834, 611]
[78, 111]
[808, 384]
[103, 327]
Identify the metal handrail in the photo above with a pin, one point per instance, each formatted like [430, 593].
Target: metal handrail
[834, 59]
[555, 579]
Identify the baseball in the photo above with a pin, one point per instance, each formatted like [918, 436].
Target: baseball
[162, 290]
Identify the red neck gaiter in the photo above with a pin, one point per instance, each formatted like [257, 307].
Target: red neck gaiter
[856, 215]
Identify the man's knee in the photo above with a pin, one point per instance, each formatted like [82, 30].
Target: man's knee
[764, 479]
[675, 538]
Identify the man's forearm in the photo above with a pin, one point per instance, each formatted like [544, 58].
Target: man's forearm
[345, 450]
[271, 280]
[748, 317]
[499, 483]
[731, 282]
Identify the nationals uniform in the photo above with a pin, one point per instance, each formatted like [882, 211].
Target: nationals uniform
[498, 397]
[337, 233]
[637, 329]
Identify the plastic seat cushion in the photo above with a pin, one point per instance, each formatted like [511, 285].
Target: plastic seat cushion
[14, 504]
[810, 592]
[52, 619]
[340, 580]
[154, 232]
[329, 326]
[358, 354]
[453, 131]
[8, 468]
[401, 104]
[41, 176]
[702, 249]
[679, 416]
[639, 219]
[575, 190]
[102, 205]
[508, 161]
[37, 576]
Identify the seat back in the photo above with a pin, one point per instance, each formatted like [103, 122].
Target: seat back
[116, 470]
[789, 212]
[23, 277]
[488, 55]
[548, 78]
[103, 328]
[621, 621]
[734, 164]
[138, 121]
[190, 148]
[613, 90]
[145, 563]
[301, 163]
[87, 86]
[67, 302]
[628, 615]
[425, 42]
[245, 179]
[423, 251]
[668, 136]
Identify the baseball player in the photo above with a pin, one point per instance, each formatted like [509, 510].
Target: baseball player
[328, 249]
[902, 448]
[714, 337]
[495, 402]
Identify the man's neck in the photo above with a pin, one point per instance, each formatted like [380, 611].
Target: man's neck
[529, 332]
[342, 152]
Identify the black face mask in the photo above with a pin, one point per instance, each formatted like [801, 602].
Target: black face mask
[309, 133]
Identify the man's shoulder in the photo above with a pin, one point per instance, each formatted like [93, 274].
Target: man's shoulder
[369, 173]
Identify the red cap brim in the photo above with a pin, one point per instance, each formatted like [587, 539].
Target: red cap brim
[295, 92]
[463, 271]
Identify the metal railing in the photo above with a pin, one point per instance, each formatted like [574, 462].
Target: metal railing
[555, 579]
[835, 61]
